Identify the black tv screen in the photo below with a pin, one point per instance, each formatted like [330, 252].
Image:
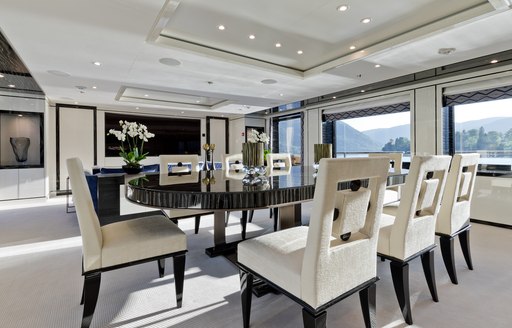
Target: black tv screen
[172, 135]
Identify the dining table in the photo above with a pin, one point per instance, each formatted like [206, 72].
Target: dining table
[223, 191]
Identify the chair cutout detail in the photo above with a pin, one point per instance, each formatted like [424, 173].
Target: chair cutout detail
[407, 228]
[180, 164]
[393, 193]
[308, 264]
[453, 219]
[121, 244]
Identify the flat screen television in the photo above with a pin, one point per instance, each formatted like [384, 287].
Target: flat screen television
[172, 135]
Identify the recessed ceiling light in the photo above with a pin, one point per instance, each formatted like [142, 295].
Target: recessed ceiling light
[182, 112]
[11, 86]
[198, 101]
[221, 27]
[269, 81]
[494, 61]
[252, 37]
[352, 47]
[278, 45]
[366, 20]
[342, 8]
[96, 63]
[333, 97]
[146, 95]
[300, 52]
[76, 102]
[377, 65]
[362, 90]
[20, 115]
[1, 76]
[281, 94]
[136, 107]
[94, 87]
[169, 61]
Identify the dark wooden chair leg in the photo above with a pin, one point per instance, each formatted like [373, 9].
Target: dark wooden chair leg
[400, 275]
[464, 244]
[270, 213]
[427, 261]
[447, 252]
[368, 298]
[179, 277]
[251, 214]
[243, 223]
[314, 321]
[246, 282]
[196, 226]
[83, 292]
[91, 289]
[161, 267]
[276, 217]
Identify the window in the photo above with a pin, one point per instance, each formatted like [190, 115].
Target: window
[379, 129]
[287, 136]
[486, 128]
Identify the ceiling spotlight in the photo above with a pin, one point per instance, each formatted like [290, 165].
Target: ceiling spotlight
[20, 115]
[446, 51]
[252, 37]
[342, 8]
[377, 65]
[136, 107]
[366, 20]
[96, 63]
[300, 52]
[494, 61]
[278, 45]
[182, 112]
[281, 94]
[146, 95]
[352, 47]
[76, 102]
[94, 87]
[333, 97]
[268, 81]
[1, 76]
[11, 86]
[362, 90]
[198, 101]
[169, 61]
[221, 27]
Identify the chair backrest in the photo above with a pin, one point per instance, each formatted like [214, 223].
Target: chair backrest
[456, 203]
[92, 239]
[285, 158]
[415, 221]
[332, 266]
[395, 159]
[175, 160]
[228, 159]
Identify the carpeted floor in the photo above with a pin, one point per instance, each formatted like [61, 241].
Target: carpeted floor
[40, 282]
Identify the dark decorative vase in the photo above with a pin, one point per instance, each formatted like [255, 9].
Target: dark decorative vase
[132, 169]
[20, 148]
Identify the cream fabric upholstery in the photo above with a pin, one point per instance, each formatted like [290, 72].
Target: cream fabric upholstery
[165, 160]
[414, 231]
[229, 162]
[352, 211]
[455, 206]
[393, 193]
[272, 159]
[164, 168]
[120, 242]
[309, 262]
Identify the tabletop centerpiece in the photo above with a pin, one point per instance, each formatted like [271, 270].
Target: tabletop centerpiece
[253, 158]
[132, 135]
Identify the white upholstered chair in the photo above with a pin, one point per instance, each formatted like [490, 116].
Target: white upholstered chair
[182, 164]
[453, 219]
[395, 160]
[232, 162]
[121, 244]
[408, 229]
[313, 266]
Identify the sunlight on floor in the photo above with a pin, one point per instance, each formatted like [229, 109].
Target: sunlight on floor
[45, 246]
[33, 202]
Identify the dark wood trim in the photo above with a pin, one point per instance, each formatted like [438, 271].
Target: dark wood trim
[494, 224]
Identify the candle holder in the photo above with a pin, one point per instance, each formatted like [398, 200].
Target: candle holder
[206, 148]
[212, 148]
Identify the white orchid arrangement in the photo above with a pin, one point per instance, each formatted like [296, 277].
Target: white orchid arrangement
[254, 136]
[132, 137]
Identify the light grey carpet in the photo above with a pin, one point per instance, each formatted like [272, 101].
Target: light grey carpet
[40, 282]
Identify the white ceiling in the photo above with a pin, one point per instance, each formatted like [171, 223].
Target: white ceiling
[170, 56]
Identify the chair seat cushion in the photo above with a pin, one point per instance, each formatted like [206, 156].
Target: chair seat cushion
[277, 257]
[390, 209]
[140, 238]
[386, 224]
[391, 196]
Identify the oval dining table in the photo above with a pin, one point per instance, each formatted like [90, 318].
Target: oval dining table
[221, 191]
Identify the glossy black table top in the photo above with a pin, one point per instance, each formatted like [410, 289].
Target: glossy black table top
[224, 190]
